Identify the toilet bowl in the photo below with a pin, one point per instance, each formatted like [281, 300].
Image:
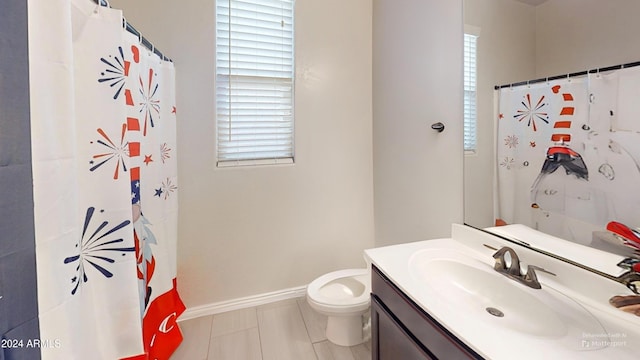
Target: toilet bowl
[344, 297]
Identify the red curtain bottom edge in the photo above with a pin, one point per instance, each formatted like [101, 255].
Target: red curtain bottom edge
[160, 331]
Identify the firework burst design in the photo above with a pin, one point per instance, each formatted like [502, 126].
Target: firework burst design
[166, 189]
[97, 249]
[150, 106]
[507, 162]
[116, 72]
[511, 141]
[165, 152]
[532, 113]
[117, 152]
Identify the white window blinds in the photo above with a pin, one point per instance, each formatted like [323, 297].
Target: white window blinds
[254, 81]
[470, 89]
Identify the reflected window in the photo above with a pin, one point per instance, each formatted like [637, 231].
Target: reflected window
[470, 92]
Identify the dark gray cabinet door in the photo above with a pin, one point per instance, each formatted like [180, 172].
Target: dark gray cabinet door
[389, 339]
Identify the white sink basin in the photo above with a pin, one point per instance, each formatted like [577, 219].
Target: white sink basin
[472, 289]
[453, 281]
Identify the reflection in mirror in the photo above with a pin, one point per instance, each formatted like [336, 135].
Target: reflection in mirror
[568, 163]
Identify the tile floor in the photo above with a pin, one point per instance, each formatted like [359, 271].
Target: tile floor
[283, 330]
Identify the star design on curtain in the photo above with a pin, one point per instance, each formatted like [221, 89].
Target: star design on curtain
[116, 71]
[532, 113]
[116, 151]
[150, 106]
[511, 141]
[97, 248]
[167, 188]
[165, 152]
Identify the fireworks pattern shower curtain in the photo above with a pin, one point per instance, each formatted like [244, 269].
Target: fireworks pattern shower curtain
[568, 154]
[105, 186]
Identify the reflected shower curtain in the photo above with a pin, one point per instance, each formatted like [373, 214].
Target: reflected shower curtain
[105, 186]
[568, 154]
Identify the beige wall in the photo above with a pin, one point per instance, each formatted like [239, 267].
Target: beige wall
[506, 54]
[578, 35]
[253, 230]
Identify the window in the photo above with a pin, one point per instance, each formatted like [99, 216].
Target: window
[470, 91]
[254, 82]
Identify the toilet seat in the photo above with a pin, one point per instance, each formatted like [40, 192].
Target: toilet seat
[344, 297]
[341, 291]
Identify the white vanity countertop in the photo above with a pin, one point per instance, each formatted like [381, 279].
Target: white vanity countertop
[612, 334]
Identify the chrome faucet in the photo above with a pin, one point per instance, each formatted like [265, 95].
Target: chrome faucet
[511, 268]
[630, 279]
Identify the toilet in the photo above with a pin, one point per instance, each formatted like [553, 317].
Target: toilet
[344, 297]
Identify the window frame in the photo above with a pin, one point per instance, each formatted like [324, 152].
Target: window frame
[275, 117]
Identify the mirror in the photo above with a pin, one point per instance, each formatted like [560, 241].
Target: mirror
[521, 40]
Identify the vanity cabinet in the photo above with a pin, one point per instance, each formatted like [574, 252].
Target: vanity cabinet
[402, 330]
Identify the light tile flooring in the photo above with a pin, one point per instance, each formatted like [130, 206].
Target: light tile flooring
[283, 330]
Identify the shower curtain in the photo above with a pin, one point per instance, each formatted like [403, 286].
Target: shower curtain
[105, 186]
[568, 154]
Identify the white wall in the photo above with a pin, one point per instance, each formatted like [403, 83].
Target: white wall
[578, 35]
[417, 74]
[506, 54]
[247, 231]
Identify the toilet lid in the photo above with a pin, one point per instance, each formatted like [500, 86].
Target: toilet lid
[341, 288]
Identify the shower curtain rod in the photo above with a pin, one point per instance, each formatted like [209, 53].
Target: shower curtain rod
[146, 43]
[566, 76]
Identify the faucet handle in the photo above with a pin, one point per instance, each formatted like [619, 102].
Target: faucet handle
[531, 279]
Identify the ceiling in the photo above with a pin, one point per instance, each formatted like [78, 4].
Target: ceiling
[532, 2]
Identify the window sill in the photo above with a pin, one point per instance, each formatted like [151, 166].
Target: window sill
[259, 162]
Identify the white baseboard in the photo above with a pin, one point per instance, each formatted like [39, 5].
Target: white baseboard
[242, 303]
